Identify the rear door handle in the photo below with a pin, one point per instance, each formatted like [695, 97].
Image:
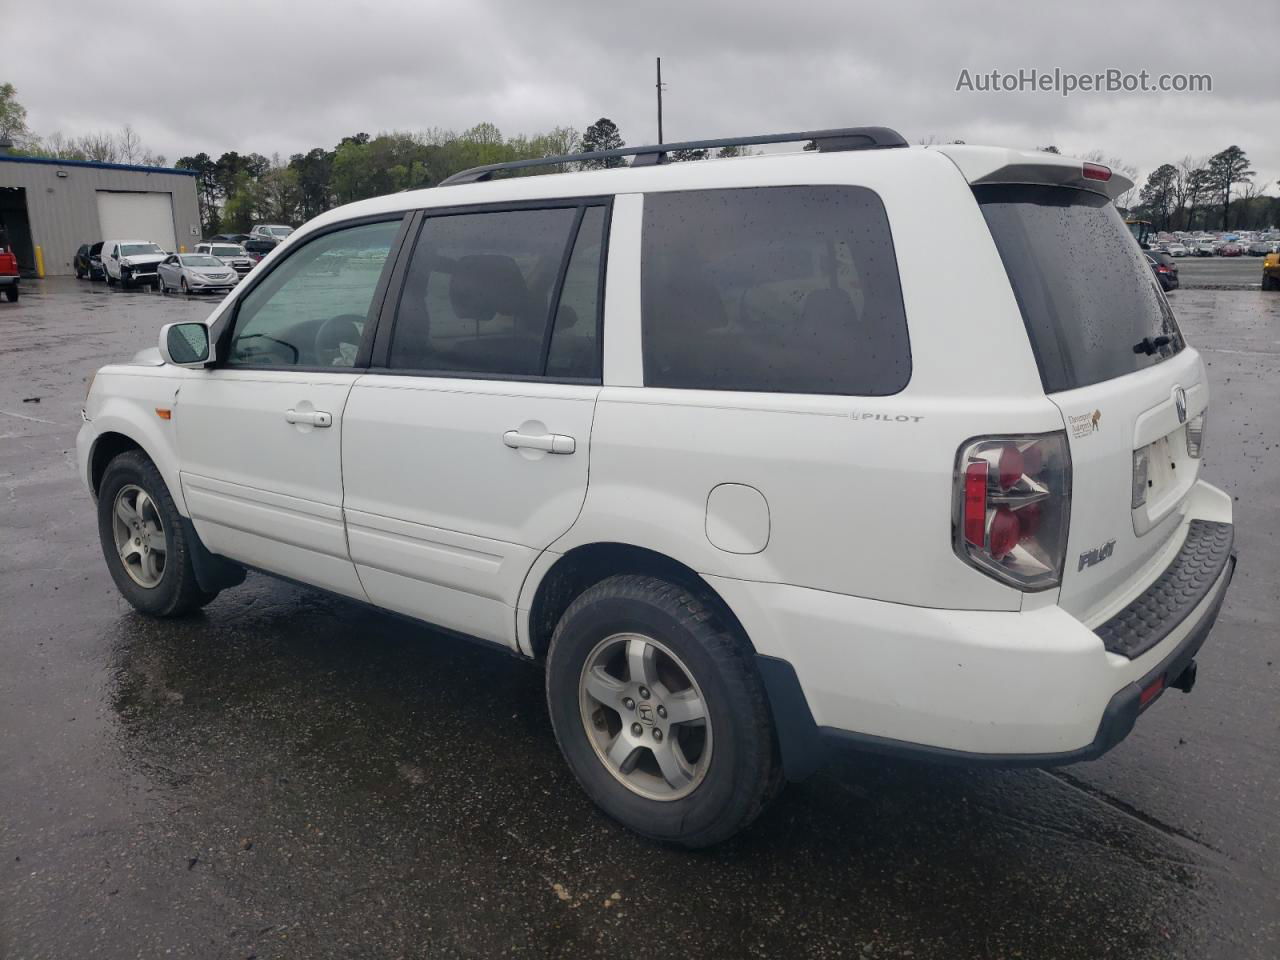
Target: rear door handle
[547, 442]
[317, 418]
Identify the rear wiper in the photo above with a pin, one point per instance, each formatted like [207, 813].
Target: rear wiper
[1150, 345]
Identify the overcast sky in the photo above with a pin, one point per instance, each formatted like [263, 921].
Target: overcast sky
[281, 77]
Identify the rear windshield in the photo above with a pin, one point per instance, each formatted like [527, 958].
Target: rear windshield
[1090, 301]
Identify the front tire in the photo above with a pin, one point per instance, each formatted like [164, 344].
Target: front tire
[659, 711]
[144, 541]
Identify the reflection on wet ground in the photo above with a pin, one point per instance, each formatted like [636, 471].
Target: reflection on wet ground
[292, 775]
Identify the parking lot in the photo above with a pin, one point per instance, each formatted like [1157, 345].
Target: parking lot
[1223, 272]
[289, 774]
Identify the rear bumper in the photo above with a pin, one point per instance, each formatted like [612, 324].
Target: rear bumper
[1036, 687]
[7, 280]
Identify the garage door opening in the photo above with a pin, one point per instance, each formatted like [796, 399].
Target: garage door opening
[15, 228]
[137, 216]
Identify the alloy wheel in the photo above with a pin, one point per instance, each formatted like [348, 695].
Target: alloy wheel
[139, 535]
[645, 716]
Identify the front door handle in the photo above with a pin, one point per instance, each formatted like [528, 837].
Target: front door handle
[547, 442]
[317, 418]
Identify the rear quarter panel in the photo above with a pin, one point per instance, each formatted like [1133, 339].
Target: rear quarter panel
[859, 489]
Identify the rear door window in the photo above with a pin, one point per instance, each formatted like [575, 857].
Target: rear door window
[1090, 301]
[479, 292]
[773, 289]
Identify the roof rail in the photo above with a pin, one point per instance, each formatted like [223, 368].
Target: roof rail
[827, 141]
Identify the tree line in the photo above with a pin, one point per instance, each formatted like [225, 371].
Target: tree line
[1218, 192]
[237, 190]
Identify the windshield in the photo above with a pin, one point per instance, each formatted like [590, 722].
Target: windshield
[227, 251]
[280, 231]
[138, 249]
[1091, 304]
[200, 260]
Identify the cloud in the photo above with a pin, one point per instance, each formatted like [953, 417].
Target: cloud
[283, 77]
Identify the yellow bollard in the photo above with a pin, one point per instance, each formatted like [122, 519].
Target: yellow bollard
[182, 248]
[39, 261]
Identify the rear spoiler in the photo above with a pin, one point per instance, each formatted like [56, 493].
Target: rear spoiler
[998, 165]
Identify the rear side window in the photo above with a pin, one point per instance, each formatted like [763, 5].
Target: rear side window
[773, 289]
[479, 293]
[1091, 304]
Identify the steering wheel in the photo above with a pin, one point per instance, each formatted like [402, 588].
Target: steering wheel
[333, 335]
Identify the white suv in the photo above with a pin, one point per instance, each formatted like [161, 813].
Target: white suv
[727, 444]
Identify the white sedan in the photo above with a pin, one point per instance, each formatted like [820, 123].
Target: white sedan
[195, 272]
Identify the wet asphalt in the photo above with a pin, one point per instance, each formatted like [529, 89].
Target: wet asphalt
[290, 775]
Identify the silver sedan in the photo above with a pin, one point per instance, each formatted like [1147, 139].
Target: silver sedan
[195, 273]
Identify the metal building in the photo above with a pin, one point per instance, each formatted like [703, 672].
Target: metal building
[60, 204]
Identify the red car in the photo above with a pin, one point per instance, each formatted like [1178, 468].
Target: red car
[1230, 250]
[8, 273]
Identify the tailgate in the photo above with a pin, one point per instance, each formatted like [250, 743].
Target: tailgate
[1113, 360]
[1113, 544]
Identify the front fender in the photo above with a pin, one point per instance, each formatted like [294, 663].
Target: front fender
[131, 412]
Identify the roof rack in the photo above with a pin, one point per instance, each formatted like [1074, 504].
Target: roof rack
[827, 141]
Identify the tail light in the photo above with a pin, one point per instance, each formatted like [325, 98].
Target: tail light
[1096, 171]
[1195, 435]
[1012, 507]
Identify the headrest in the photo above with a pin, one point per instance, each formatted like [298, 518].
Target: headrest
[486, 284]
[828, 308]
[566, 317]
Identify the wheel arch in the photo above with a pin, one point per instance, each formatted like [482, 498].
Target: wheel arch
[588, 564]
[109, 445]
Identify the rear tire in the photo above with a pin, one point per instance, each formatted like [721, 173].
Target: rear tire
[731, 770]
[1269, 283]
[11, 293]
[136, 513]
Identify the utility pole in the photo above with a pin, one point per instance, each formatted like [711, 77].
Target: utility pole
[659, 86]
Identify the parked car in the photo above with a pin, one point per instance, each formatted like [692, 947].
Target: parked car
[257, 248]
[1206, 248]
[1230, 249]
[1165, 269]
[232, 254]
[236, 238]
[131, 263]
[1271, 272]
[88, 261]
[9, 278]
[421, 403]
[275, 232]
[195, 273]
[1259, 248]
[1177, 249]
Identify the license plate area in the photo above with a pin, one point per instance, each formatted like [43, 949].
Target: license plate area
[1163, 475]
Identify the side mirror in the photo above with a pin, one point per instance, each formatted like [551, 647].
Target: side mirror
[185, 344]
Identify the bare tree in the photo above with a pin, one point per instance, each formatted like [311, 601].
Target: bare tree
[1182, 186]
[130, 145]
[99, 147]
